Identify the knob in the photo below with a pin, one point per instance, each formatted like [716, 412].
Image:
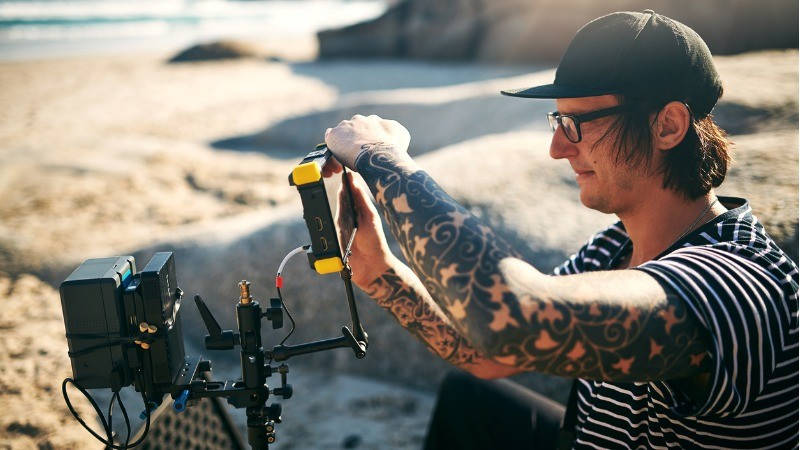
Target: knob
[204, 366]
[244, 292]
[275, 313]
[284, 391]
[273, 412]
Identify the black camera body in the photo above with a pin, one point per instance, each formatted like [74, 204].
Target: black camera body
[108, 307]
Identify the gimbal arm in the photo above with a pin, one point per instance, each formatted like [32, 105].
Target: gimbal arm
[356, 339]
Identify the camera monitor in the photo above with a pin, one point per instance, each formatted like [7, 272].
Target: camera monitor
[327, 210]
[108, 307]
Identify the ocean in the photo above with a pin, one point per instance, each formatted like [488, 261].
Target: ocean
[51, 28]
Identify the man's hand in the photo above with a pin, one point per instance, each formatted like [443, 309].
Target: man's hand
[370, 255]
[348, 139]
[394, 286]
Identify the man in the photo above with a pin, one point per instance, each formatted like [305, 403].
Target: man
[679, 321]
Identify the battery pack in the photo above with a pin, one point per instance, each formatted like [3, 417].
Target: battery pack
[91, 300]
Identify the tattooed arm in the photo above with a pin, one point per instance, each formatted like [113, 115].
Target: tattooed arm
[618, 326]
[614, 326]
[400, 291]
[395, 287]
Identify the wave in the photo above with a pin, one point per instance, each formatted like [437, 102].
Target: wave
[94, 19]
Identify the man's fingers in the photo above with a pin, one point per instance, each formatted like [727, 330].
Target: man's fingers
[364, 208]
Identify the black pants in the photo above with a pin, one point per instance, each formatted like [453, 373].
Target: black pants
[471, 413]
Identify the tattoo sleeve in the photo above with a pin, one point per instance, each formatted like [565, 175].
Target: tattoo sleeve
[402, 293]
[614, 326]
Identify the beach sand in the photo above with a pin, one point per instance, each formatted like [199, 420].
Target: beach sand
[120, 154]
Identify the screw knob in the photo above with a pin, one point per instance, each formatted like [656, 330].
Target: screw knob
[273, 412]
[244, 291]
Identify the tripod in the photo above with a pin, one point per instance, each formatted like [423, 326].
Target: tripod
[251, 391]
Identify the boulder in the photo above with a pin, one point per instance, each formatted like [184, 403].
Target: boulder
[210, 51]
[518, 31]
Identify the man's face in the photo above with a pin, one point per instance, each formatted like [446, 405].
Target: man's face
[605, 186]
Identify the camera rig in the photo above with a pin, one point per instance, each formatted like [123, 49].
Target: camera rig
[123, 328]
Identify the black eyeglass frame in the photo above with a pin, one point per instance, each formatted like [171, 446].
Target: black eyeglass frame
[581, 118]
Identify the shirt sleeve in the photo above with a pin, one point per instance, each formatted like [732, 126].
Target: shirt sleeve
[736, 300]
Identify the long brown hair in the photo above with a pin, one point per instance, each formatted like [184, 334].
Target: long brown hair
[692, 168]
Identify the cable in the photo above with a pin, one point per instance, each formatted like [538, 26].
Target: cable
[124, 416]
[279, 284]
[109, 342]
[105, 424]
[127, 421]
[288, 256]
[110, 417]
[288, 314]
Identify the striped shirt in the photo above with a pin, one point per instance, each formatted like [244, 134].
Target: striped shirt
[743, 289]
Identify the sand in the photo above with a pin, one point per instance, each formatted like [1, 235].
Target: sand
[126, 154]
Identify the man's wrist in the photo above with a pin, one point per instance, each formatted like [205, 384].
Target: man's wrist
[386, 152]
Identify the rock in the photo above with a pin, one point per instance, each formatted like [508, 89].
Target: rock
[385, 36]
[217, 50]
[531, 31]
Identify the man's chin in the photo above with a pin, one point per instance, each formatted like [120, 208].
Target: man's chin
[596, 202]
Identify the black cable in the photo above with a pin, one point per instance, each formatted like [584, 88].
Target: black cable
[90, 335]
[106, 427]
[110, 417]
[109, 343]
[288, 314]
[124, 416]
[94, 405]
[146, 411]
[127, 421]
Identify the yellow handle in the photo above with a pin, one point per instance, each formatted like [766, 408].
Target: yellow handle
[306, 173]
[328, 265]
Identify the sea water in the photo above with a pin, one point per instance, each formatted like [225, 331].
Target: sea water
[50, 28]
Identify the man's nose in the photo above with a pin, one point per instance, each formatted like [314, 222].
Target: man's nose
[561, 147]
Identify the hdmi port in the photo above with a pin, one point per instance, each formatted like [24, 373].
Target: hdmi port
[319, 223]
[324, 243]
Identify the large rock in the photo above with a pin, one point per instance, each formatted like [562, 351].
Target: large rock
[532, 31]
[210, 51]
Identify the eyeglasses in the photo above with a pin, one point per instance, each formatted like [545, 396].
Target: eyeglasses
[571, 123]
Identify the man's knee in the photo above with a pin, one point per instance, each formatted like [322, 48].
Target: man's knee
[457, 387]
[456, 383]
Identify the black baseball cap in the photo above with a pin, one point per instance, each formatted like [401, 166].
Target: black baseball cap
[639, 55]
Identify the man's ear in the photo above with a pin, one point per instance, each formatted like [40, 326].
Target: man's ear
[671, 125]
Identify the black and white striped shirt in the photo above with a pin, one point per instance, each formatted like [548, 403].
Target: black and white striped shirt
[743, 289]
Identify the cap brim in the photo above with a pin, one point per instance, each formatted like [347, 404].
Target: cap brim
[556, 91]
